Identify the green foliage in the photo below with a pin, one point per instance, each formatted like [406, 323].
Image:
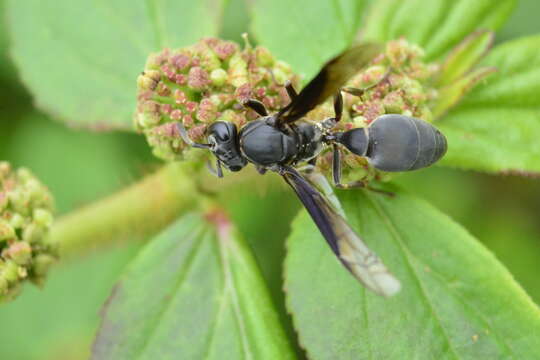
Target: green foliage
[450, 306]
[496, 128]
[306, 33]
[436, 25]
[84, 77]
[191, 291]
[194, 290]
[61, 319]
[464, 57]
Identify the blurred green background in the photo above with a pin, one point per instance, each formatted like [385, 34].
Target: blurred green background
[58, 322]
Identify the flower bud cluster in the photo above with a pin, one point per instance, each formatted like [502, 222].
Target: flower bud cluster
[203, 83]
[25, 218]
[396, 82]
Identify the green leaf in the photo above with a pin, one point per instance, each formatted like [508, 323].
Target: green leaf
[7, 73]
[194, 292]
[464, 56]
[497, 126]
[80, 59]
[436, 25]
[306, 33]
[457, 301]
[450, 95]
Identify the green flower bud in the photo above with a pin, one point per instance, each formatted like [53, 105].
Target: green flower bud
[6, 230]
[25, 217]
[20, 200]
[42, 263]
[17, 221]
[264, 57]
[20, 252]
[238, 73]
[218, 77]
[9, 271]
[43, 217]
[200, 84]
[3, 200]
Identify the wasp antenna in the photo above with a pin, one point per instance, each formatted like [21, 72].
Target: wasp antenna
[184, 135]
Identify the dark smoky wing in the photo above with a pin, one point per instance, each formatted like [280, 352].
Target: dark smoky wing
[329, 80]
[311, 199]
[353, 253]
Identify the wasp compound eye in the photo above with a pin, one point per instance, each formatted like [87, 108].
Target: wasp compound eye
[222, 131]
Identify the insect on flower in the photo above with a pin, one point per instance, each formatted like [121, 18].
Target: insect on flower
[282, 141]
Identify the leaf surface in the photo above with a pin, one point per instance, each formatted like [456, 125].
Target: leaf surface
[306, 33]
[457, 301]
[497, 126]
[435, 25]
[80, 59]
[194, 292]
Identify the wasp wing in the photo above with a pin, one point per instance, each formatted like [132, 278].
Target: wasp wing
[353, 253]
[329, 80]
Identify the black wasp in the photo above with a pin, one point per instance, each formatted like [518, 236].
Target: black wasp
[279, 142]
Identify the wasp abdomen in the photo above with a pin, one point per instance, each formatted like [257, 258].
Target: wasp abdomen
[402, 143]
[355, 140]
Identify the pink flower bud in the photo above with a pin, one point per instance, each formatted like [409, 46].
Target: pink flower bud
[198, 79]
[243, 93]
[225, 49]
[176, 114]
[180, 61]
[191, 106]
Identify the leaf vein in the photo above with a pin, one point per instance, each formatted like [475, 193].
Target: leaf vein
[230, 289]
[406, 256]
[474, 312]
[179, 282]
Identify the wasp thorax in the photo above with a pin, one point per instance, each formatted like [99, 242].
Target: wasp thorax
[201, 84]
[25, 218]
[265, 145]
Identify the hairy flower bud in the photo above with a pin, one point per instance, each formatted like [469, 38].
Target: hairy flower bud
[25, 218]
[396, 82]
[200, 84]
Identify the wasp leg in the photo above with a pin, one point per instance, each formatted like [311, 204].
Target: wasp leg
[218, 171]
[329, 123]
[256, 106]
[338, 106]
[336, 174]
[290, 90]
[309, 167]
[261, 170]
[184, 135]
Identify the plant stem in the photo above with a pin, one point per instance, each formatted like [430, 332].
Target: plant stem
[131, 214]
[139, 211]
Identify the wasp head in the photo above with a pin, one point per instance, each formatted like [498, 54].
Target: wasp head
[223, 138]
